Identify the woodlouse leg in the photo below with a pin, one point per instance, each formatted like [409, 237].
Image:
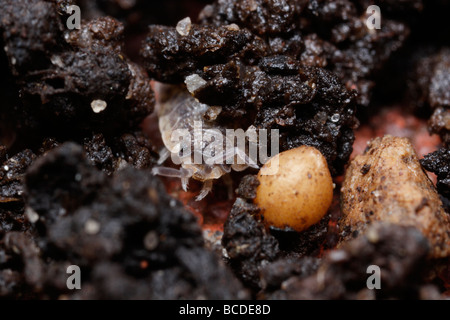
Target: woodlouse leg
[167, 172]
[163, 155]
[182, 173]
[186, 174]
[207, 187]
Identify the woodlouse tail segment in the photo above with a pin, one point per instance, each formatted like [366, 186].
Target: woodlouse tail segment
[206, 188]
[241, 160]
[245, 160]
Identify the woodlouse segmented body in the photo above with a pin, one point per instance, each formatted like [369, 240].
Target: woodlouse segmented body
[178, 116]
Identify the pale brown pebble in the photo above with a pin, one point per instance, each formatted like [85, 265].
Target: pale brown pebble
[394, 190]
[295, 190]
